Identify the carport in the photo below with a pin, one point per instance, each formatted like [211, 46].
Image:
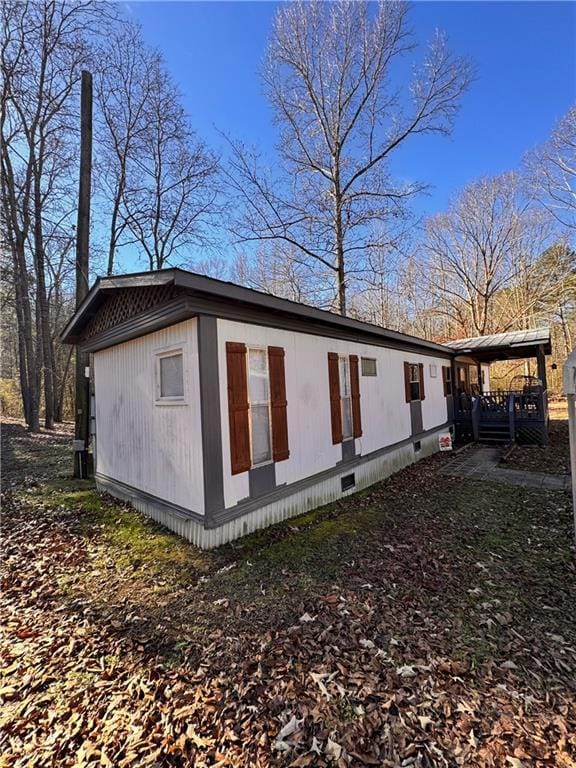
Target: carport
[498, 416]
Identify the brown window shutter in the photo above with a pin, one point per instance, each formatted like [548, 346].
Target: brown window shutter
[445, 380]
[422, 391]
[335, 406]
[407, 389]
[355, 392]
[238, 407]
[278, 404]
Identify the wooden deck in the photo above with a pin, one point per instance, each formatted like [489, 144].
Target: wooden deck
[502, 416]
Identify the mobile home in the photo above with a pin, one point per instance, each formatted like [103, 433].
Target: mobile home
[218, 410]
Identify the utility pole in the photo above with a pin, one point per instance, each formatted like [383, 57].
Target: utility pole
[82, 410]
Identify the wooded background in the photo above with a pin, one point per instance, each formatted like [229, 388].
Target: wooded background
[324, 222]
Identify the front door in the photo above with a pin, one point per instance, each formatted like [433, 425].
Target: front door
[462, 379]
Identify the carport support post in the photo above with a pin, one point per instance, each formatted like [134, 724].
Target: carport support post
[541, 362]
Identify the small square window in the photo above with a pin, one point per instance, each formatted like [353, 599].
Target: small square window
[170, 376]
[369, 366]
[417, 446]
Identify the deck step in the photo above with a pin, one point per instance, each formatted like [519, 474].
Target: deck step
[494, 438]
[494, 433]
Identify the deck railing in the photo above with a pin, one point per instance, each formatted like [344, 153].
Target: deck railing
[494, 405]
[524, 411]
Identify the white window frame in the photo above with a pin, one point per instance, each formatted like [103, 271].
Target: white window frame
[250, 348]
[171, 351]
[346, 359]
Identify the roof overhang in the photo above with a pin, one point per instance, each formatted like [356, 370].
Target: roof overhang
[514, 345]
[103, 286]
[206, 289]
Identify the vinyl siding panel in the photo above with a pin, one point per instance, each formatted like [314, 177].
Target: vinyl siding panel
[156, 448]
[385, 413]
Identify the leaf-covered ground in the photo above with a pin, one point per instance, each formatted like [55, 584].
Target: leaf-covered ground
[426, 622]
[555, 457]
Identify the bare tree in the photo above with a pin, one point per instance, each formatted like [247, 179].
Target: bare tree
[122, 90]
[171, 193]
[481, 252]
[552, 171]
[329, 77]
[271, 268]
[44, 47]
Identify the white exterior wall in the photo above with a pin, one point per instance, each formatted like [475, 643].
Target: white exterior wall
[322, 492]
[156, 448]
[486, 369]
[385, 413]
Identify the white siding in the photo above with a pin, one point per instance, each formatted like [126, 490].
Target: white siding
[296, 503]
[385, 413]
[154, 448]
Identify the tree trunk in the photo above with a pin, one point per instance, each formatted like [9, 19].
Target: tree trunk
[59, 410]
[565, 332]
[339, 233]
[44, 340]
[29, 373]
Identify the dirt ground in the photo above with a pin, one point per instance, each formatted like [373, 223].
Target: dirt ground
[427, 621]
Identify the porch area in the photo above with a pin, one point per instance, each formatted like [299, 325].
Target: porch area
[497, 416]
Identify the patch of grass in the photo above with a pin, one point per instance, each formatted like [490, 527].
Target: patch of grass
[131, 540]
[314, 545]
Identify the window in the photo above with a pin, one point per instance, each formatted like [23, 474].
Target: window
[170, 376]
[345, 397]
[447, 379]
[259, 398]
[257, 406]
[344, 392]
[369, 366]
[414, 382]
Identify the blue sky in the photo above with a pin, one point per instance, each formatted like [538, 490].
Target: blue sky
[523, 51]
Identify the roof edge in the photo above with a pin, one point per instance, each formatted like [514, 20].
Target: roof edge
[220, 289]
